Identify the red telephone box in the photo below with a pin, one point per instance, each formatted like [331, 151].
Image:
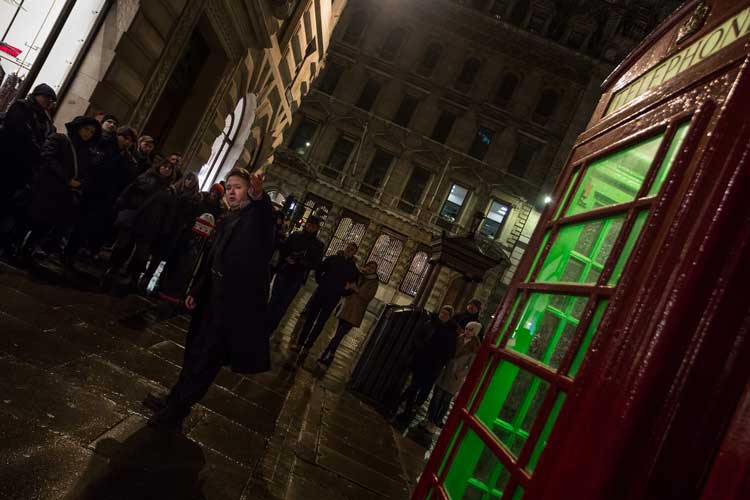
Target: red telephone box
[620, 354]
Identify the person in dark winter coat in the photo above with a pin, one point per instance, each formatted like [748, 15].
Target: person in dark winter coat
[435, 346]
[144, 153]
[453, 375]
[23, 131]
[298, 255]
[353, 310]
[336, 277]
[179, 211]
[229, 302]
[56, 193]
[138, 221]
[211, 202]
[110, 175]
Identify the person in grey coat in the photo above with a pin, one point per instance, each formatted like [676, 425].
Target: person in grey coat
[453, 375]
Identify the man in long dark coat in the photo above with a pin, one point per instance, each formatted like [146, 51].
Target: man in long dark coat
[229, 302]
[24, 130]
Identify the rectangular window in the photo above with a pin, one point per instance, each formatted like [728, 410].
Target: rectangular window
[339, 157]
[523, 156]
[331, 77]
[495, 219]
[405, 110]
[443, 126]
[481, 143]
[453, 204]
[303, 136]
[368, 95]
[414, 189]
[376, 172]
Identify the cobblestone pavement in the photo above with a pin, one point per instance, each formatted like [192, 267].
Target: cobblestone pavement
[75, 364]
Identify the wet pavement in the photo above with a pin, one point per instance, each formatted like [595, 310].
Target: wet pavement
[75, 364]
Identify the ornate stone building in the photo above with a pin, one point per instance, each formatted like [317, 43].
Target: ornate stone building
[218, 80]
[448, 116]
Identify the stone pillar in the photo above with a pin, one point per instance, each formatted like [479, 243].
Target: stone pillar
[444, 278]
[329, 226]
[368, 240]
[403, 263]
[425, 290]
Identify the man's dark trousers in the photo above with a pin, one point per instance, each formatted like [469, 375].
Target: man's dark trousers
[284, 290]
[319, 309]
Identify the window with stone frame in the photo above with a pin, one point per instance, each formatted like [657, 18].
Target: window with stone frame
[405, 110]
[368, 95]
[376, 172]
[481, 143]
[356, 27]
[339, 157]
[348, 231]
[454, 203]
[393, 42]
[494, 220]
[537, 23]
[505, 90]
[430, 59]
[545, 107]
[420, 265]
[385, 252]
[303, 136]
[468, 73]
[331, 77]
[443, 126]
[526, 150]
[415, 188]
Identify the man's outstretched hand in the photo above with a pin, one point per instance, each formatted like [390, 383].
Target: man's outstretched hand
[190, 302]
[256, 184]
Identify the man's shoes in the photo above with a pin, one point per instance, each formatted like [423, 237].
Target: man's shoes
[155, 403]
[169, 419]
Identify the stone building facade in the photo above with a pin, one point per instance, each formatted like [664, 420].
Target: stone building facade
[437, 116]
[218, 80]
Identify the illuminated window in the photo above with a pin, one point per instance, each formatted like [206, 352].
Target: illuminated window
[416, 274]
[348, 231]
[453, 203]
[481, 143]
[493, 222]
[222, 144]
[386, 252]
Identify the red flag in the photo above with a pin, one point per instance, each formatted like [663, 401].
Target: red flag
[9, 49]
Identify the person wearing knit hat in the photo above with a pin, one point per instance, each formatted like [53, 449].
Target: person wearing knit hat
[109, 124]
[25, 128]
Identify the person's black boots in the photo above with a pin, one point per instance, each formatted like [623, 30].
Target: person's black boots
[169, 419]
[155, 403]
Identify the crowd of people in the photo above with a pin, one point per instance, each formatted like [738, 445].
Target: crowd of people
[96, 185]
[97, 188]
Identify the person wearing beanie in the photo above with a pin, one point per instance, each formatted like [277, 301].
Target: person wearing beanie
[301, 253]
[65, 160]
[23, 132]
[109, 125]
[143, 153]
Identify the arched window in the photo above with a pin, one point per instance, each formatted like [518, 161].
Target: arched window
[416, 274]
[430, 59]
[356, 27]
[392, 44]
[506, 89]
[348, 231]
[546, 107]
[221, 145]
[386, 252]
[468, 72]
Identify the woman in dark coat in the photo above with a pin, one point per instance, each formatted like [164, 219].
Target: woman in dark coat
[139, 220]
[435, 346]
[65, 159]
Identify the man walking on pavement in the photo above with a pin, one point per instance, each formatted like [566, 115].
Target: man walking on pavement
[229, 302]
[336, 277]
[298, 255]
